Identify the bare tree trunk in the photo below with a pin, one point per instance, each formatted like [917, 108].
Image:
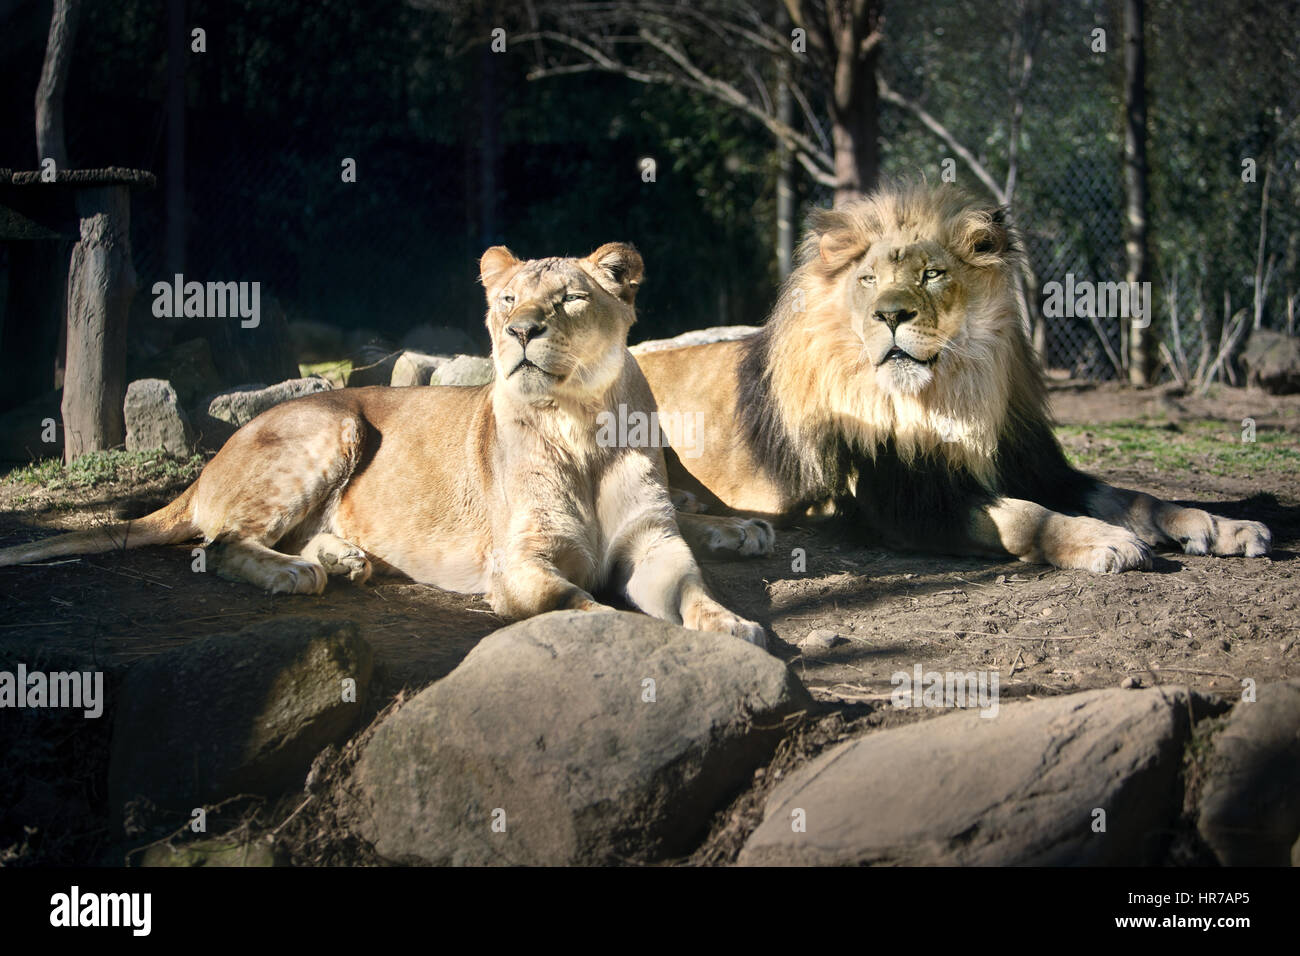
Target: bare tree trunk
[101, 283]
[177, 53]
[1135, 181]
[855, 98]
[785, 227]
[50, 143]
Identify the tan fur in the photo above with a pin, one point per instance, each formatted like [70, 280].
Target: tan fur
[501, 489]
[926, 275]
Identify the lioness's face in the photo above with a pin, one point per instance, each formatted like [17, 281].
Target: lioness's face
[905, 304]
[559, 326]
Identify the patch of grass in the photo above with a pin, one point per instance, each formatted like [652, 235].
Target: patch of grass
[106, 467]
[1203, 446]
[336, 373]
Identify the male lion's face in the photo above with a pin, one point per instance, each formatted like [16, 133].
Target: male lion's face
[905, 303]
[559, 326]
[921, 277]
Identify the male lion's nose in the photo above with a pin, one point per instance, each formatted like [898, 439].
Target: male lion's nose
[526, 329]
[896, 318]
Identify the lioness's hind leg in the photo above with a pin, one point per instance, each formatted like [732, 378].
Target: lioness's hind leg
[240, 559]
[717, 536]
[338, 557]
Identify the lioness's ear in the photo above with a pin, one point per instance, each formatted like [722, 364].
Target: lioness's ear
[619, 269]
[983, 237]
[495, 266]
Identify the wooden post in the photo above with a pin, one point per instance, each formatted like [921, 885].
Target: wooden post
[101, 283]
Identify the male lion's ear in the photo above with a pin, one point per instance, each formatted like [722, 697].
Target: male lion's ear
[984, 237]
[837, 247]
[495, 266]
[619, 269]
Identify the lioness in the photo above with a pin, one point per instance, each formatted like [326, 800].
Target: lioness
[500, 488]
[894, 380]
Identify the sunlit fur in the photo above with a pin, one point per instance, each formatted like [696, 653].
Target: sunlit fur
[824, 345]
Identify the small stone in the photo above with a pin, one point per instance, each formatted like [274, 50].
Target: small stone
[821, 640]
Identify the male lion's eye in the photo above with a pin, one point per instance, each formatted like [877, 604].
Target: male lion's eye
[574, 297]
[932, 274]
[868, 280]
[506, 299]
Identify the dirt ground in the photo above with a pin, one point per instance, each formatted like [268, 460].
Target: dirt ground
[1201, 621]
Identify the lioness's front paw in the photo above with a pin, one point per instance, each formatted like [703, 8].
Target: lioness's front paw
[1092, 545]
[712, 616]
[1199, 532]
[589, 604]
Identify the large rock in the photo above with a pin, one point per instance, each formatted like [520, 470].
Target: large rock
[220, 416]
[1250, 801]
[719, 333]
[594, 737]
[155, 419]
[1272, 361]
[416, 368]
[236, 713]
[188, 366]
[1021, 788]
[464, 370]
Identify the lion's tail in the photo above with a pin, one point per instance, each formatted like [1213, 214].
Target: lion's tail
[168, 525]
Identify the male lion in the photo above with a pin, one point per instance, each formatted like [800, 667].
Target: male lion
[894, 380]
[502, 488]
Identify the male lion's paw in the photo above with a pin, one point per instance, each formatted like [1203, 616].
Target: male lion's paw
[297, 577]
[338, 557]
[351, 563]
[747, 537]
[1199, 532]
[1092, 545]
[712, 616]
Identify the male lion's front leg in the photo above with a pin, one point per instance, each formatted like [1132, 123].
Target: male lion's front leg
[1035, 534]
[1160, 522]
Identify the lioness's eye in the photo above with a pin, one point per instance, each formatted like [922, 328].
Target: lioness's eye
[506, 299]
[932, 274]
[574, 296]
[868, 280]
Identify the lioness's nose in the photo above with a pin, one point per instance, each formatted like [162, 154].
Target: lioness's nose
[526, 329]
[896, 318]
